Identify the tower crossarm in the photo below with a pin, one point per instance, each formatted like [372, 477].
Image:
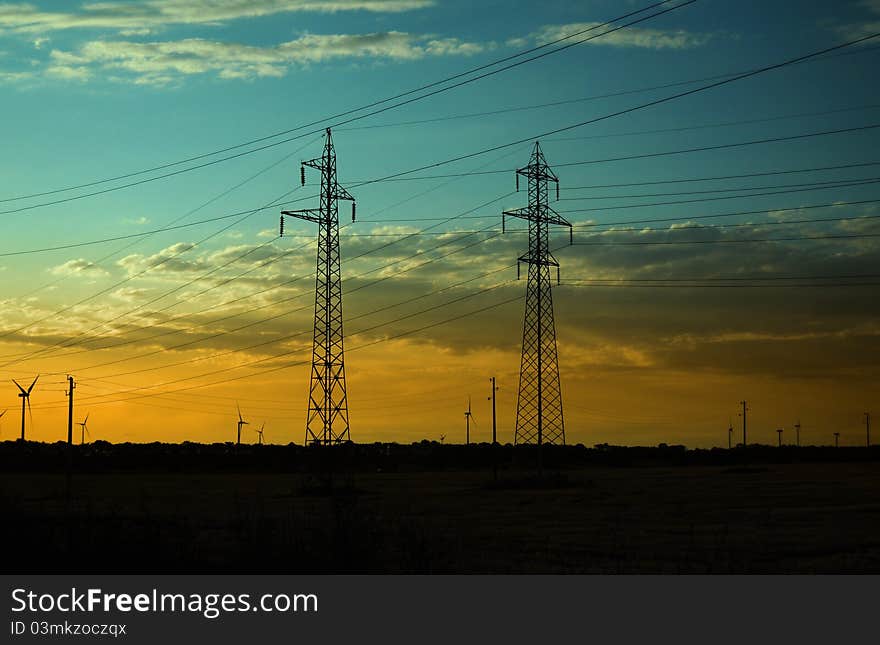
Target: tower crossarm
[341, 193]
[308, 214]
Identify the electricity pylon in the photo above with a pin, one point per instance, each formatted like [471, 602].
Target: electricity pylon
[539, 402]
[327, 420]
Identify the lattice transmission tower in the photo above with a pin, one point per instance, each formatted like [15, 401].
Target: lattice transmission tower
[327, 421]
[539, 417]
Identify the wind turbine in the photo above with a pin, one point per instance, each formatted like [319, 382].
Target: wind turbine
[25, 396]
[260, 432]
[2, 413]
[84, 430]
[241, 422]
[729, 433]
[467, 418]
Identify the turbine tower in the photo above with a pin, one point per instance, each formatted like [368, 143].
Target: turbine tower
[84, 430]
[539, 417]
[25, 396]
[241, 422]
[467, 419]
[327, 419]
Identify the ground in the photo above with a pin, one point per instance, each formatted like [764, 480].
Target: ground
[793, 517]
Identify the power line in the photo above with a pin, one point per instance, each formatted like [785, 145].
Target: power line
[280, 315]
[302, 362]
[735, 278]
[154, 231]
[723, 124]
[650, 155]
[817, 285]
[629, 110]
[737, 225]
[454, 117]
[404, 236]
[348, 112]
[128, 279]
[714, 199]
[564, 190]
[725, 177]
[799, 238]
[836, 183]
[736, 213]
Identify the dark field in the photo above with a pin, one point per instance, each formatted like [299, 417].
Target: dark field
[683, 512]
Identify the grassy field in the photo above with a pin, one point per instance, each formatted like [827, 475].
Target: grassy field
[792, 517]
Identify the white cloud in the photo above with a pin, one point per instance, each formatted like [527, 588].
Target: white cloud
[628, 37]
[78, 266]
[160, 62]
[26, 17]
[9, 77]
[69, 72]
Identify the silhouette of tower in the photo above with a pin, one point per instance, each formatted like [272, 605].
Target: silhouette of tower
[539, 417]
[327, 420]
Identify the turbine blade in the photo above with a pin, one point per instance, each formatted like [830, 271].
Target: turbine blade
[33, 384]
[30, 412]
[238, 407]
[19, 386]
[86, 420]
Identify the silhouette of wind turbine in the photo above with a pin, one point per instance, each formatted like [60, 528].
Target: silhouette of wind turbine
[260, 432]
[467, 417]
[84, 430]
[25, 396]
[241, 422]
[2, 413]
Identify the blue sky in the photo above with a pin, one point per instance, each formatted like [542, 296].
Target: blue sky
[93, 90]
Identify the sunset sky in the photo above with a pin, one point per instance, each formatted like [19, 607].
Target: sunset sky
[165, 331]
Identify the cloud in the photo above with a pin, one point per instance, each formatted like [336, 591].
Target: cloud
[81, 266]
[142, 17]
[168, 260]
[10, 77]
[159, 62]
[629, 37]
[854, 31]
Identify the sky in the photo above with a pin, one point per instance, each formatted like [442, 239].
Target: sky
[675, 304]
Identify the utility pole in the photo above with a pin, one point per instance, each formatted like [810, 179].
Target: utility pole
[494, 433]
[745, 409]
[70, 387]
[69, 474]
[868, 429]
[836, 439]
[467, 419]
[779, 433]
[539, 417]
[729, 434]
[797, 433]
[327, 419]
